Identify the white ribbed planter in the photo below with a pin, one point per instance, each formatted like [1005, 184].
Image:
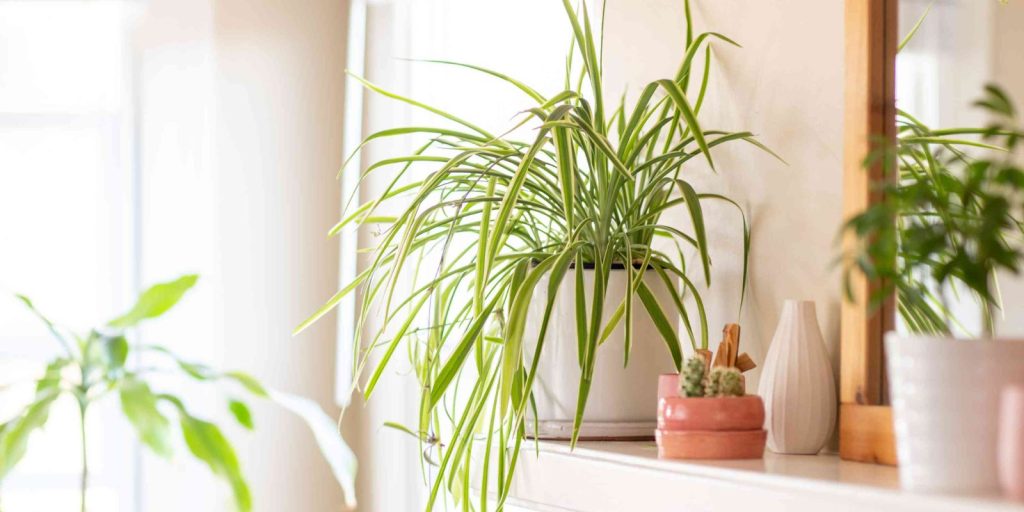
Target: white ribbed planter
[623, 402]
[797, 383]
[945, 398]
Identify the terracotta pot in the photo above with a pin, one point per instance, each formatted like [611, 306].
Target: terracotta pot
[722, 413]
[739, 444]
[708, 428]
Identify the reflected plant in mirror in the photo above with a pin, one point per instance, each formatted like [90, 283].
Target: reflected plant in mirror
[950, 223]
[97, 364]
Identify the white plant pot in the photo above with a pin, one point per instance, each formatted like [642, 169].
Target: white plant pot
[945, 398]
[797, 383]
[623, 401]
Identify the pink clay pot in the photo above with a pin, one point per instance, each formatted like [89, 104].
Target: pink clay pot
[697, 444]
[708, 428]
[1011, 442]
[721, 413]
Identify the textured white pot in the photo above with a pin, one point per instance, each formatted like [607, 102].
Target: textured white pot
[623, 401]
[797, 383]
[945, 399]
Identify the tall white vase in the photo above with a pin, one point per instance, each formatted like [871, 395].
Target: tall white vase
[797, 383]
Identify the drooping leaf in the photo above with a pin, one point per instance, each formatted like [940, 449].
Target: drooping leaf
[208, 444]
[14, 435]
[139, 405]
[325, 430]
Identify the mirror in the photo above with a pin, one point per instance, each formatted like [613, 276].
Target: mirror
[949, 51]
[956, 49]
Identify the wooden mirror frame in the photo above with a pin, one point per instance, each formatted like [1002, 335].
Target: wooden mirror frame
[865, 419]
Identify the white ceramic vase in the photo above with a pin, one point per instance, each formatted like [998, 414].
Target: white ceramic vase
[945, 398]
[797, 383]
[623, 401]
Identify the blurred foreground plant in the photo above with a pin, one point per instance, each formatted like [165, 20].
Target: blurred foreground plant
[95, 365]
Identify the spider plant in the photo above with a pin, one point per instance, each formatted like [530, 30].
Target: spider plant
[950, 222]
[498, 217]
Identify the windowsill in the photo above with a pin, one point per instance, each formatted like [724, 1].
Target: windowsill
[621, 476]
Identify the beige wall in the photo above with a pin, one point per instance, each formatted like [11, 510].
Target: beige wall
[279, 90]
[786, 86]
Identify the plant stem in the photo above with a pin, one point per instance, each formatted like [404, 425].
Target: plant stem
[85, 460]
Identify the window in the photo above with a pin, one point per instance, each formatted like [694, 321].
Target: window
[66, 226]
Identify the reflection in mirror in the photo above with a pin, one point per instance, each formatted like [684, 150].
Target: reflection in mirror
[955, 225]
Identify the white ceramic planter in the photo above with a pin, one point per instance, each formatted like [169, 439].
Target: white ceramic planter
[623, 401]
[945, 399]
[797, 383]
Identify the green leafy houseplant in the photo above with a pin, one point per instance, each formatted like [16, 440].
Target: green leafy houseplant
[950, 222]
[95, 365]
[496, 215]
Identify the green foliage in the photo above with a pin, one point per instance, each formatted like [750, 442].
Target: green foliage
[156, 301]
[241, 413]
[495, 223]
[724, 381]
[691, 379]
[139, 405]
[96, 364]
[15, 433]
[953, 219]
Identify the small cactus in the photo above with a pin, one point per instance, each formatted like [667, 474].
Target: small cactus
[691, 380]
[723, 381]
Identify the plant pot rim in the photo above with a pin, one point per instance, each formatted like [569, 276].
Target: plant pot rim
[704, 398]
[618, 265]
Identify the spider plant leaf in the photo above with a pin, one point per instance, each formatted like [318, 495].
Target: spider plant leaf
[668, 333]
[677, 299]
[458, 357]
[512, 354]
[913, 31]
[950, 142]
[531, 92]
[683, 107]
[699, 230]
[428, 108]
[581, 309]
[682, 76]
[398, 337]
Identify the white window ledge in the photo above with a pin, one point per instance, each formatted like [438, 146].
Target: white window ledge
[628, 476]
